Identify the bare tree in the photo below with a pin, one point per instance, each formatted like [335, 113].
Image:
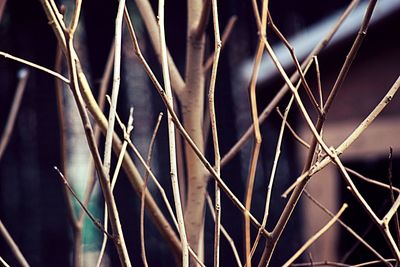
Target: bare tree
[190, 115]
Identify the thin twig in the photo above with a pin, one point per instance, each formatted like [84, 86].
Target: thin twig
[316, 236]
[23, 76]
[257, 133]
[272, 176]
[373, 262]
[382, 224]
[282, 92]
[353, 172]
[119, 241]
[255, 150]
[101, 101]
[146, 177]
[160, 188]
[345, 226]
[3, 262]
[319, 85]
[338, 264]
[316, 139]
[296, 63]
[390, 177]
[75, 16]
[13, 246]
[36, 66]
[127, 133]
[225, 36]
[372, 181]
[354, 135]
[86, 98]
[204, 17]
[292, 131]
[352, 54]
[150, 23]
[76, 224]
[115, 87]
[214, 131]
[2, 7]
[224, 232]
[186, 136]
[171, 138]
[91, 217]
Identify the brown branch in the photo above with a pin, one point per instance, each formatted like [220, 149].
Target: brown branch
[134, 177]
[296, 63]
[352, 54]
[91, 217]
[338, 264]
[149, 19]
[345, 226]
[214, 131]
[73, 64]
[224, 232]
[23, 76]
[282, 92]
[36, 66]
[225, 36]
[257, 133]
[316, 236]
[186, 136]
[171, 140]
[13, 246]
[272, 176]
[76, 223]
[2, 7]
[316, 139]
[127, 132]
[146, 176]
[390, 177]
[101, 101]
[319, 85]
[3, 262]
[203, 21]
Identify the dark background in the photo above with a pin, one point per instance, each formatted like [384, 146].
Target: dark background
[32, 204]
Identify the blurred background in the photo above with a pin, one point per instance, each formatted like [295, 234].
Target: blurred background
[32, 200]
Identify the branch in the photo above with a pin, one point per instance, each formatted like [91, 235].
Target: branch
[282, 92]
[146, 176]
[338, 264]
[272, 176]
[296, 63]
[186, 136]
[257, 133]
[316, 236]
[171, 139]
[317, 138]
[214, 131]
[13, 246]
[104, 180]
[345, 226]
[150, 22]
[130, 168]
[352, 54]
[2, 261]
[91, 217]
[36, 66]
[115, 87]
[23, 76]
[224, 232]
[127, 133]
[390, 176]
[225, 36]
